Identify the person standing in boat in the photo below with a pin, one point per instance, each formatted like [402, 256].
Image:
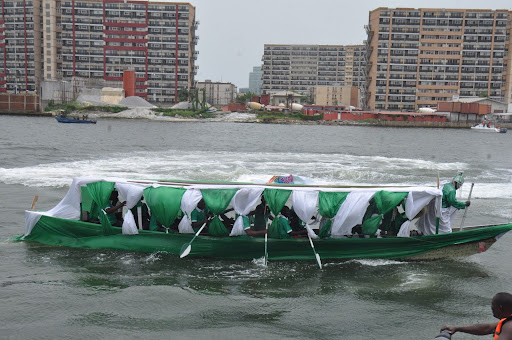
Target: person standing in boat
[450, 204]
[260, 216]
[281, 228]
[199, 215]
[113, 211]
[501, 307]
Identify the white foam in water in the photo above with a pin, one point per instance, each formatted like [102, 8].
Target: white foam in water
[259, 261]
[415, 280]
[259, 167]
[378, 262]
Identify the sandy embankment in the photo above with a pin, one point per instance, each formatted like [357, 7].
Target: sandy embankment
[147, 113]
[141, 109]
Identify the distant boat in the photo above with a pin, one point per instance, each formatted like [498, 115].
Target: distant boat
[488, 128]
[74, 120]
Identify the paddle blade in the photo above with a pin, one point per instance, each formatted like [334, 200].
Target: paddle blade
[266, 252]
[318, 260]
[185, 250]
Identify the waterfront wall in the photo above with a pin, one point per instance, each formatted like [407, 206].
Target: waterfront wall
[21, 103]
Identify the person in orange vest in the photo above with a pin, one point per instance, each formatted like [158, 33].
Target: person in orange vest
[501, 309]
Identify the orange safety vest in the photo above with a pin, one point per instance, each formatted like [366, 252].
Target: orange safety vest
[497, 331]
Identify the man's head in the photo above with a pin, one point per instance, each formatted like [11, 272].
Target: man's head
[201, 205]
[458, 180]
[285, 211]
[114, 196]
[501, 305]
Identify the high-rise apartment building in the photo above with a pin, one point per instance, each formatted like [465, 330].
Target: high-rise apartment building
[300, 67]
[98, 40]
[255, 81]
[417, 57]
[20, 54]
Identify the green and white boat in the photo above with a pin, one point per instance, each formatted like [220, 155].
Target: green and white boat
[340, 209]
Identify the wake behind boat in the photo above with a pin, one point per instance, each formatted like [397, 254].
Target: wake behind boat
[329, 222]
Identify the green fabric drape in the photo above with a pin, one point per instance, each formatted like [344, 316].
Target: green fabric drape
[371, 225]
[328, 205]
[100, 194]
[164, 203]
[87, 202]
[217, 200]
[70, 233]
[276, 199]
[383, 202]
[386, 200]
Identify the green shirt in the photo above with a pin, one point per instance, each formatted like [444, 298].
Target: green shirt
[198, 216]
[260, 218]
[449, 199]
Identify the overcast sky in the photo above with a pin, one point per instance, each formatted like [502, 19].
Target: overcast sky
[232, 32]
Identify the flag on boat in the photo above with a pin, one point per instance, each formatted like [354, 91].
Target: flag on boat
[281, 179]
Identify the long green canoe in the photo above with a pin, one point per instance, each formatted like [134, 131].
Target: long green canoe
[76, 234]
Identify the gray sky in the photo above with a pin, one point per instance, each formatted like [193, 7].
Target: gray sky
[232, 32]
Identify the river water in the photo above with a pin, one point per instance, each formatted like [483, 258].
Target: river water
[51, 292]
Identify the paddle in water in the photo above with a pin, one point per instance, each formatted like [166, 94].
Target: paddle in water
[317, 257]
[185, 250]
[266, 252]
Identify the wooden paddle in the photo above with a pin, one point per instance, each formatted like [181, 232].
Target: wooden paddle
[266, 252]
[33, 206]
[466, 208]
[185, 250]
[317, 257]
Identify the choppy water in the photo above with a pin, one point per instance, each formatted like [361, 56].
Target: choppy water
[48, 292]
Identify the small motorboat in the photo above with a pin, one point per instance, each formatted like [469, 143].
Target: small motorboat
[75, 120]
[488, 127]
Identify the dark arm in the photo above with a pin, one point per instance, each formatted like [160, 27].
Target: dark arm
[476, 329]
[115, 208]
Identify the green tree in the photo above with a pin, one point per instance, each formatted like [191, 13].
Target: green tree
[307, 99]
[246, 97]
[204, 105]
[483, 94]
[183, 95]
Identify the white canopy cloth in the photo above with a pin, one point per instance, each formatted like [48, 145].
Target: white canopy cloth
[351, 213]
[132, 192]
[417, 200]
[304, 204]
[405, 229]
[244, 201]
[68, 207]
[188, 203]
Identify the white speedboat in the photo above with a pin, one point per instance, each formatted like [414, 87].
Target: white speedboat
[488, 128]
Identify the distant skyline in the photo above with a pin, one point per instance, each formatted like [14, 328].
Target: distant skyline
[232, 33]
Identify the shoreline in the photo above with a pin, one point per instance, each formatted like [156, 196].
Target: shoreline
[236, 117]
